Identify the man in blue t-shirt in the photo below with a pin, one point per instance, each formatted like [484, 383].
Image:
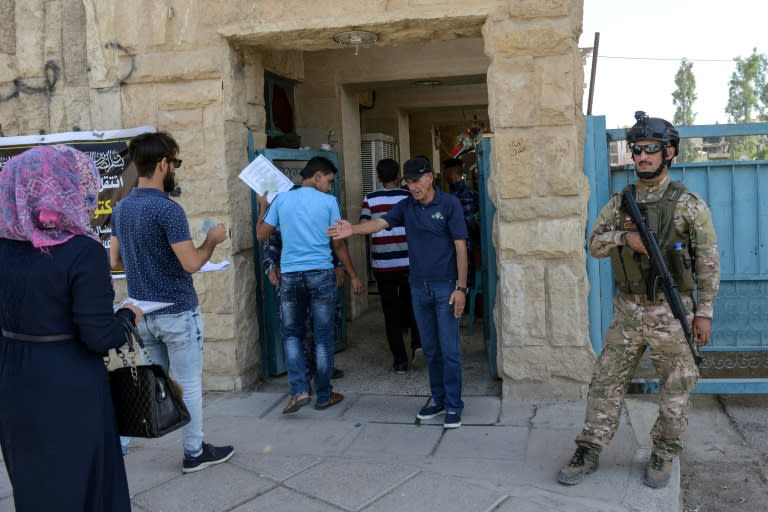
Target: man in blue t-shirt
[151, 240]
[437, 246]
[307, 277]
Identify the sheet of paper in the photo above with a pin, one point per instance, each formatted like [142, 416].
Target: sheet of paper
[146, 306]
[208, 267]
[262, 175]
[214, 267]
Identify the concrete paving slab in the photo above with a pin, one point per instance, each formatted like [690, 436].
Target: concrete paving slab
[214, 489]
[516, 413]
[607, 483]
[481, 410]
[274, 467]
[333, 482]
[149, 468]
[309, 412]
[243, 404]
[281, 437]
[5, 482]
[642, 415]
[504, 476]
[383, 440]
[7, 505]
[385, 409]
[560, 415]
[506, 443]
[286, 500]
[425, 492]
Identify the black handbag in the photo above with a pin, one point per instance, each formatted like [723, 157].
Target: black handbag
[147, 401]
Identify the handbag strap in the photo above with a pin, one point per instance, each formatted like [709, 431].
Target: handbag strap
[132, 338]
[131, 334]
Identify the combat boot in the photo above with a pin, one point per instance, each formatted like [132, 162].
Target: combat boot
[584, 461]
[657, 472]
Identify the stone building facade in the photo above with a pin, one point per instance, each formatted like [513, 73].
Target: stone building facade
[196, 69]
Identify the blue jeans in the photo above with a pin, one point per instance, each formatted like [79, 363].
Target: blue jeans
[440, 340]
[308, 292]
[176, 341]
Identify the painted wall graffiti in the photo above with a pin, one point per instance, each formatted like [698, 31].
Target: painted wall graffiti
[114, 45]
[51, 74]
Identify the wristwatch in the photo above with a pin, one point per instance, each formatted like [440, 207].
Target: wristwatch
[461, 289]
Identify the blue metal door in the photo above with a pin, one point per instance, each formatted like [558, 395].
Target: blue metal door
[272, 356]
[736, 191]
[489, 273]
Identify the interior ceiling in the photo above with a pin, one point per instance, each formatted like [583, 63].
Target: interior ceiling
[440, 81]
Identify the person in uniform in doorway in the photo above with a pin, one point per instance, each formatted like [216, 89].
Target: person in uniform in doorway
[642, 317]
[437, 242]
[389, 254]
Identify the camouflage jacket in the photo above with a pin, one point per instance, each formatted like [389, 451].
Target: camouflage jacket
[692, 216]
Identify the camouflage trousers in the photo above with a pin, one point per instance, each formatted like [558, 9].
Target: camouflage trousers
[637, 325]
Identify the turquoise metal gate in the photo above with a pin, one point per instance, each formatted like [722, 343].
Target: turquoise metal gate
[489, 274]
[737, 193]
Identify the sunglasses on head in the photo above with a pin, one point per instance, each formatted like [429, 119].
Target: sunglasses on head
[648, 148]
[176, 162]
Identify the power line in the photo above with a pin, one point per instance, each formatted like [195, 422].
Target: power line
[664, 58]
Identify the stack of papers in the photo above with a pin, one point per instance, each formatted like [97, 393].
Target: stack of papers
[262, 176]
[146, 306]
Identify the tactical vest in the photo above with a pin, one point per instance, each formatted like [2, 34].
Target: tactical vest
[632, 271]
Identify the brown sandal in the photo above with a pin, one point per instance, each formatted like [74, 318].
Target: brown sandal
[335, 398]
[296, 402]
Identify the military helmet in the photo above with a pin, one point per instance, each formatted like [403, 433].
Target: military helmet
[653, 128]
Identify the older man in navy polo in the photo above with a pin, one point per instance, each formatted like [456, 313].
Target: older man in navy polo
[437, 243]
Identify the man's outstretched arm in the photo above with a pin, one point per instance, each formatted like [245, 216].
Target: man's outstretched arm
[345, 229]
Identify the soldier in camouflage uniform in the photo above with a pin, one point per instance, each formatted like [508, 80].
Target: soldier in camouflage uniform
[642, 318]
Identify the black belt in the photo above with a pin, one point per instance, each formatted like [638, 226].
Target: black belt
[32, 337]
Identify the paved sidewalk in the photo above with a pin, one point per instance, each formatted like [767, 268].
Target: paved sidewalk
[368, 454]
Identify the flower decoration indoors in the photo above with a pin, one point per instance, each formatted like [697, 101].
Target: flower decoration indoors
[467, 140]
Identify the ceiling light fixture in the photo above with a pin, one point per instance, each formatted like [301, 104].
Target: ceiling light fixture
[356, 38]
[426, 83]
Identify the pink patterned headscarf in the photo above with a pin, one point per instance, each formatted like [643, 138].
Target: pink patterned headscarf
[48, 195]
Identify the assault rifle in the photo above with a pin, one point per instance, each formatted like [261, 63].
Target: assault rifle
[661, 273]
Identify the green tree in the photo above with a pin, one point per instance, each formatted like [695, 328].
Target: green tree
[748, 102]
[683, 99]
[747, 92]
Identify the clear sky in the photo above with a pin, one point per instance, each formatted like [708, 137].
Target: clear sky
[702, 31]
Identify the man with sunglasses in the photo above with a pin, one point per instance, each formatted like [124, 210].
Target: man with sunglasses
[682, 223]
[152, 241]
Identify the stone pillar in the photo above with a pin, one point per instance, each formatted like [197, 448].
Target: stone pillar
[540, 192]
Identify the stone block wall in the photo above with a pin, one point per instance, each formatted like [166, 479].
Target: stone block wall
[196, 69]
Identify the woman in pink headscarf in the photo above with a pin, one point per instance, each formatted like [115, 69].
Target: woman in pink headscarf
[57, 423]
